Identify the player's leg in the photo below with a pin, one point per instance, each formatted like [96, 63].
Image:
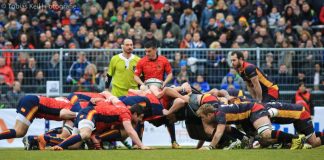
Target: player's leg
[177, 104]
[54, 139]
[263, 126]
[67, 114]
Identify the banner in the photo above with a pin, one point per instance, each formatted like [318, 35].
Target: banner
[153, 136]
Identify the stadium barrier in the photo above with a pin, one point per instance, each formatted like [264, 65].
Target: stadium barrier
[8, 116]
[214, 64]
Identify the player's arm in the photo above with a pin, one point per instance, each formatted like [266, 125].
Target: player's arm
[249, 87]
[217, 136]
[110, 72]
[133, 135]
[138, 72]
[257, 88]
[168, 70]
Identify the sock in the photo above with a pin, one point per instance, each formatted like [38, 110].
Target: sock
[55, 131]
[52, 141]
[70, 141]
[319, 134]
[171, 130]
[282, 136]
[235, 133]
[322, 140]
[111, 135]
[11, 133]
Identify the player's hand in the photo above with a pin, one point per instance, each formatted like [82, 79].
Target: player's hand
[95, 100]
[146, 148]
[206, 148]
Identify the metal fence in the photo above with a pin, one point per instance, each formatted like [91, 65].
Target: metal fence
[32, 68]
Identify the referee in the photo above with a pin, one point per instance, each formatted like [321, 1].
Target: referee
[121, 70]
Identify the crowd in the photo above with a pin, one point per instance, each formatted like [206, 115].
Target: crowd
[46, 24]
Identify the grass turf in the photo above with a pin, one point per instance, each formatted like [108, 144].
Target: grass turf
[164, 154]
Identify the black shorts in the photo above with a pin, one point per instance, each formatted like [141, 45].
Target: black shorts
[258, 114]
[28, 106]
[304, 126]
[268, 98]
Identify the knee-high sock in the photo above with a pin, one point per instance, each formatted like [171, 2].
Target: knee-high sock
[57, 130]
[235, 133]
[52, 141]
[171, 130]
[10, 133]
[282, 136]
[322, 140]
[70, 141]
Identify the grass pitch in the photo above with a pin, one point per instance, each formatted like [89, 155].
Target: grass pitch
[164, 154]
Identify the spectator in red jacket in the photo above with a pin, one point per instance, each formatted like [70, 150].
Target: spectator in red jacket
[7, 72]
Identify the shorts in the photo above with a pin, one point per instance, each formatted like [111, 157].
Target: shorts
[304, 127]
[27, 108]
[258, 111]
[85, 115]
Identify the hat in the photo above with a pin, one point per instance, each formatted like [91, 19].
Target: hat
[210, 2]
[35, 19]
[74, 17]
[113, 19]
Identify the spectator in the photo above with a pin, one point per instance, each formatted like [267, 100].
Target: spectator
[183, 76]
[274, 16]
[150, 38]
[258, 15]
[39, 82]
[308, 14]
[157, 5]
[197, 43]
[6, 72]
[230, 83]
[186, 18]
[158, 35]
[9, 56]
[53, 69]
[269, 67]
[245, 9]
[287, 57]
[30, 71]
[243, 28]
[171, 26]
[234, 8]
[193, 28]
[185, 43]
[304, 97]
[90, 5]
[77, 68]
[237, 79]
[109, 10]
[24, 43]
[13, 96]
[202, 83]
[221, 7]
[4, 87]
[209, 34]
[20, 78]
[318, 75]
[91, 81]
[290, 16]
[170, 41]
[283, 78]
[207, 14]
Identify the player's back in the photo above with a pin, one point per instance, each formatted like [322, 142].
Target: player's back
[54, 103]
[234, 113]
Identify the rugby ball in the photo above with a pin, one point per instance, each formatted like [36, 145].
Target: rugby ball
[153, 81]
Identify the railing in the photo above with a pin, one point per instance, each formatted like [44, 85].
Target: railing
[213, 64]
